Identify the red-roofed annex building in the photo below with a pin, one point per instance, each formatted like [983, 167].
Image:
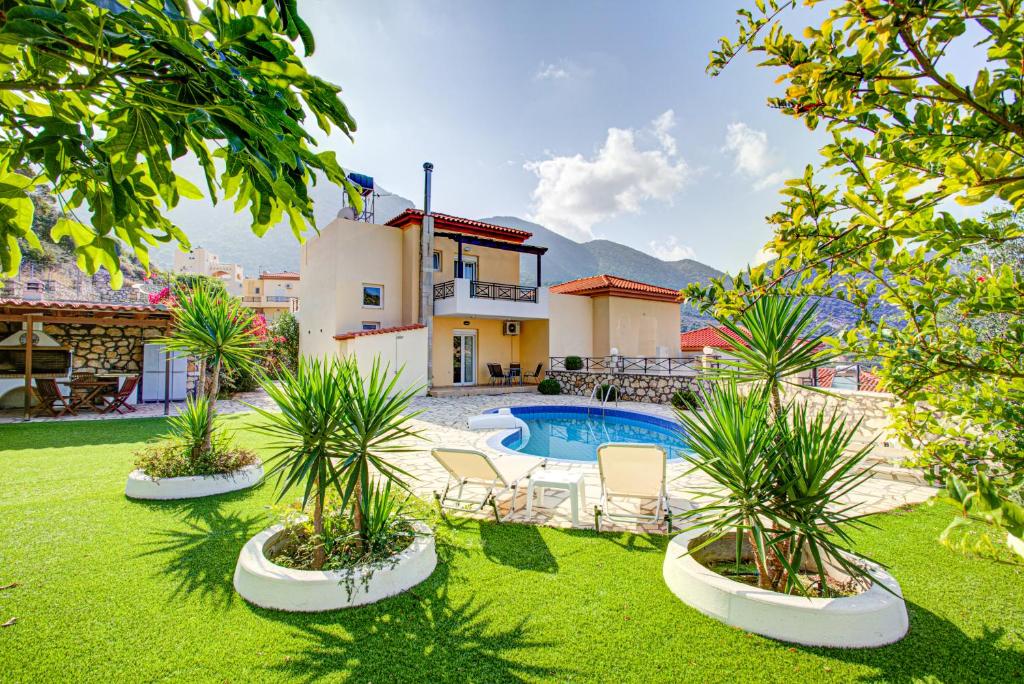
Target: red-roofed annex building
[361, 289]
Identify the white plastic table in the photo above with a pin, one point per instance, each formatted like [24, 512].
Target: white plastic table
[558, 479]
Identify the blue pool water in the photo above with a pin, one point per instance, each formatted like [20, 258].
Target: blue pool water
[574, 432]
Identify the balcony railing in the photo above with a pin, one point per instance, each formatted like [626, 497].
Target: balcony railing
[637, 365]
[444, 290]
[510, 293]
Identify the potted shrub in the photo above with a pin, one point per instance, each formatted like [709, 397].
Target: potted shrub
[685, 399]
[607, 392]
[768, 547]
[352, 541]
[179, 466]
[549, 386]
[573, 363]
[192, 461]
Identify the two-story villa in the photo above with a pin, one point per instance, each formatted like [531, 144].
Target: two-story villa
[361, 286]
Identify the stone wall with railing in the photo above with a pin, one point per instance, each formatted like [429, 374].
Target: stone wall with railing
[871, 408]
[653, 389]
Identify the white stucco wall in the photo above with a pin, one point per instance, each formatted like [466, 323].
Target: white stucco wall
[407, 348]
[570, 327]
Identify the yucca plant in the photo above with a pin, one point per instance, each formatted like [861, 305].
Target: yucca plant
[776, 483]
[191, 426]
[383, 520]
[377, 428]
[216, 329]
[312, 414]
[777, 339]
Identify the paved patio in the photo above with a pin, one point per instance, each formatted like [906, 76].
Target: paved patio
[443, 422]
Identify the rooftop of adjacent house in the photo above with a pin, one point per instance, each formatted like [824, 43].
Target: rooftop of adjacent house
[282, 275]
[458, 224]
[598, 285]
[378, 331]
[716, 336]
[9, 307]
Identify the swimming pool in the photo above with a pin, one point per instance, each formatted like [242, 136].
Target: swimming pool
[573, 433]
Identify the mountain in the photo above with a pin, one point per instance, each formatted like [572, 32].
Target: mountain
[228, 235]
[568, 260]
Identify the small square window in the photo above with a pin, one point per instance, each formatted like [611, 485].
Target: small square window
[373, 296]
[371, 325]
[437, 260]
[257, 290]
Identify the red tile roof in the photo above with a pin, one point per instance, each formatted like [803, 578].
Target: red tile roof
[868, 381]
[43, 305]
[461, 225]
[715, 336]
[615, 286]
[283, 275]
[378, 331]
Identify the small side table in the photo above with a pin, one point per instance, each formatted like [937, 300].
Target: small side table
[558, 479]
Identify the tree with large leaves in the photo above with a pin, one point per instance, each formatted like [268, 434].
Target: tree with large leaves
[105, 100]
[913, 130]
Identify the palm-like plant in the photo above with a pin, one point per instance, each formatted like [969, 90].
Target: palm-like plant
[776, 483]
[335, 425]
[378, 427]
[214, 328]
[192, 424]
[313, 412]
[777, 340]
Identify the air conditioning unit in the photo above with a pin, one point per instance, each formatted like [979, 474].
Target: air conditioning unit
[512, 327]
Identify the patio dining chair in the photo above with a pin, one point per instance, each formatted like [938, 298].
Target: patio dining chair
[495, 475]
[632, 471]
[118, 401]
[535, 375]
[50, 399]
[515, 373]
[498, 376]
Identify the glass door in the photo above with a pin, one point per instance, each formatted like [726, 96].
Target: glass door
[464, 358]
[469, 268]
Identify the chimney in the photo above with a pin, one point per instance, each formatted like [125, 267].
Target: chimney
[426, 316]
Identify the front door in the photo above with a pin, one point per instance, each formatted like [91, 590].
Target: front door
[464, 358]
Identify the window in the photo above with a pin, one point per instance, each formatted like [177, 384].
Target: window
[469, 268]
[437, 260]
[257, 290]
[373, 296]
[371, 325]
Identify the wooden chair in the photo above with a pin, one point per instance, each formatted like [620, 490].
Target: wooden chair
[119, 399]
[50, 399]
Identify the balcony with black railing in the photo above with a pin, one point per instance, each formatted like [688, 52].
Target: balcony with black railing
[465, 297]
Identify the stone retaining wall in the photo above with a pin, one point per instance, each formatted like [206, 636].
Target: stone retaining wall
[871, 408]
[98, 348]
[652, 389]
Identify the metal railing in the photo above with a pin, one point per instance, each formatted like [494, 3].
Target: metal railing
[637, 365]
[511, 293]
[444, 290]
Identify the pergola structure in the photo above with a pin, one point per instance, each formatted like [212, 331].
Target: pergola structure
[83, 313]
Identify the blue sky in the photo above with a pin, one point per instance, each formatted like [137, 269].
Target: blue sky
[595, 119]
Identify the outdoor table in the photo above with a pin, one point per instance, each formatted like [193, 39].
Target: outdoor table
[558, 479]
[92, 393]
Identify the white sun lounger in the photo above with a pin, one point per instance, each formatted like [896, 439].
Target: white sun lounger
[631, 471]
[497, 474]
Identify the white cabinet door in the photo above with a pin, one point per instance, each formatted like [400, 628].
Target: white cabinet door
[154, 366]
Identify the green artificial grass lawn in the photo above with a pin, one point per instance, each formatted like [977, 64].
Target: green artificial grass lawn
[115, 590]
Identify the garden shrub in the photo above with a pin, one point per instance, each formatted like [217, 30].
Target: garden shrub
[549, 386]
[573, 363]
[607, 393]
[685, 399]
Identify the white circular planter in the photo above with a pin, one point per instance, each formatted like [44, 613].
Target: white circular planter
[142, 486]
[265, 584]
[874, 617]
[1015, 543]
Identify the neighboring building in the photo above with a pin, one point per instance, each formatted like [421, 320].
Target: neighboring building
[360, 293]
[272, 294]
[715, 342]
[200, 261]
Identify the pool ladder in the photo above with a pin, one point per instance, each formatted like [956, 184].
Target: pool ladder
[617, 389]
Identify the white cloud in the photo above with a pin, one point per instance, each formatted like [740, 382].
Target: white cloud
[763, 256]
[553, 72]
[753, 157]
[574, 193]
[670, 250]
[662, 127]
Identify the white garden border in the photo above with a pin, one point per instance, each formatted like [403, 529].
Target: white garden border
[142, 486]
[872, 618]
[268, 585]
[1015, 543]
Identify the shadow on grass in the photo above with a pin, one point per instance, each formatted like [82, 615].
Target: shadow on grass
[200, 551]
[935, 649]
[420, 635]
[518, 546]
